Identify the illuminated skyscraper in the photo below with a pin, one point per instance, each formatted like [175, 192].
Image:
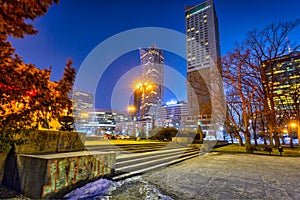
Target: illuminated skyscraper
[152, 61]
[203, 50]
[284, 76]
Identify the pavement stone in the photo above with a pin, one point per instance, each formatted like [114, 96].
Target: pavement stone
[230, 176]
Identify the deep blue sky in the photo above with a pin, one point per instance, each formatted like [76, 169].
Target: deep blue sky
[74, 27]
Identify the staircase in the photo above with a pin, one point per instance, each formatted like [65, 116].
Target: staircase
[136, 159]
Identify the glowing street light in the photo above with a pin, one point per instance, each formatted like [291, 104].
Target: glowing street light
[293, 124]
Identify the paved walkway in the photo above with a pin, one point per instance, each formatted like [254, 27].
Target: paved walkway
[230, 176]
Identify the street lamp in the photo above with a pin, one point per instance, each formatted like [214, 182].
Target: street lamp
[292, 126]
[296, 124]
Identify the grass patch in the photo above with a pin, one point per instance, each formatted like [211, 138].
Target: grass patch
[287, 151]
[232, 148]
[235, 148]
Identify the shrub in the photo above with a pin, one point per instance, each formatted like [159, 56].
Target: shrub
[163, 134]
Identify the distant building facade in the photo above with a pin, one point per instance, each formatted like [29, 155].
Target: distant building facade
[100, 121]
[171, 113]
[82, 101]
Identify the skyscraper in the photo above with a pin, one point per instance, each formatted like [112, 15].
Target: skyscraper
[203, 50]
[283, 74]
[152, 61]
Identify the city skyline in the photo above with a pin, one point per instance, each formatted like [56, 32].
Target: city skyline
[75, 28]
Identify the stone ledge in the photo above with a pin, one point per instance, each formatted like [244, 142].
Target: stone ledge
[54, 175]
[50, 141]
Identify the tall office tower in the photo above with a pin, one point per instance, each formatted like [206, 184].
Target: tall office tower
[203, 51]
[284, 76]
[152, 61]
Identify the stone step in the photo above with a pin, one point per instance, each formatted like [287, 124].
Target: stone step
[131, 148]
[143, 157]
[108, 144]
[147, 162]
[140, 171]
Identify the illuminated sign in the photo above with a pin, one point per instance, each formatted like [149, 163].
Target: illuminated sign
[172, 102]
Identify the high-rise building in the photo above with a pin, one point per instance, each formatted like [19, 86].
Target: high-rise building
[203, 51]
[82, 101]
[152, 61]
[284, 76]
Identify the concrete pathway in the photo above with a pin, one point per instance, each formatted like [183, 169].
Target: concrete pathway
[230, 176]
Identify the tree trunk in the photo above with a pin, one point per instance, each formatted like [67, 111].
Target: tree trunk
[265, 139]
[254, 130]
[248, 143]
[276, 139]
[231, 137]
[255, 137]
[271, 138]
[240, 139]
[282, 139]
[291, 140]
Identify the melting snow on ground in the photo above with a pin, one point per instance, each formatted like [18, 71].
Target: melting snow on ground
[125, 189]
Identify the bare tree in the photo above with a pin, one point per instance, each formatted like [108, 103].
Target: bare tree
[266, 47]
[240, 92]
[249, 75]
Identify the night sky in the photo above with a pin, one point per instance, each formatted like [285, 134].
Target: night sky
[73, 28]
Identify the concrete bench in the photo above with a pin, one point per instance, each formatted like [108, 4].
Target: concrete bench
[53, 175]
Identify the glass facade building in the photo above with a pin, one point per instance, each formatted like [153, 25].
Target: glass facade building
[152, 61]
[284, 77]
